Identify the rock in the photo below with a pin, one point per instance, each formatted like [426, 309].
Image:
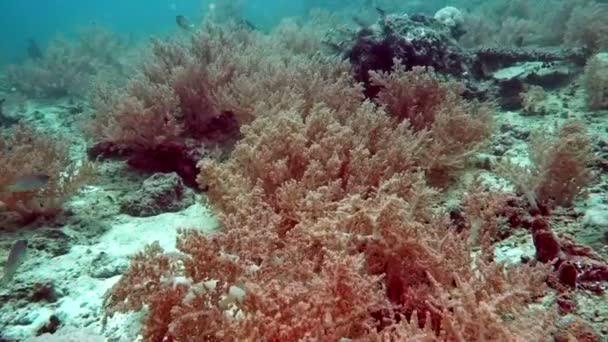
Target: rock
[514, 80]
[159, 194]
[499, 74]
[69, 334]
[55, 242]
[5, 120]
[44, 292]
[595, 227]
[51, 327]
[553, 75]
[416, 40]
[104, 266]
[453, 18]
[487, 60]
[596, 216]
[546, 75]
[546, 243]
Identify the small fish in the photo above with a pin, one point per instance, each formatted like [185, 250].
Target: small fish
[359, 21]
[246, 24]
[15, 259]
[184, 23]
[29, 183]
[334, 47]
[33, 49]
[380, 11]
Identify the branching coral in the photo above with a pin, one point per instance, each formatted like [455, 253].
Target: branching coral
[517, 23]
[534, 101]
[330, 234]
[199, 92]
[25, 152]
[595, 81]
[560, 166]
[358, 154]
[457, 128]
[224, 71]
[587, 26]
[67, 67]
[329, 227]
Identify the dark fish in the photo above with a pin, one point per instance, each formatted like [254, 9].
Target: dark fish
[15, 259]
[247, 24]
[5, 120]
[334, 47]
[184, 23]
[360, 22]
[29, 183]
[33, 49]
[381, 12]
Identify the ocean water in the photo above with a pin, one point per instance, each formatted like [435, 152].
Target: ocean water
[43, 20]
[306, 170]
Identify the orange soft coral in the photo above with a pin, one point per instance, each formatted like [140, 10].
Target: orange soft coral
[560, 166]
[330, 234]
[329, 227]
[457, 128]
[26, 152]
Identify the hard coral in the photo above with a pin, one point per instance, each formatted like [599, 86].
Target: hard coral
[416, 40]
[334, 154]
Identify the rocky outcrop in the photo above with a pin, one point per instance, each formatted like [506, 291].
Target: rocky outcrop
[416, 40]
[488, 73]
[161, 193]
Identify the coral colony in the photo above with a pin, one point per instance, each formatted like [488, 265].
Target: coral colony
[370, 171]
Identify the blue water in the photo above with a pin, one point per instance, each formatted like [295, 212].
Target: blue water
[40, 20]
[43, 19]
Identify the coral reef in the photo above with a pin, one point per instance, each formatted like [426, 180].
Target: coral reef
[587, 27]
[543, 23]
[488, 72]
[457, 128]
[68, 68]
[354, 175]
[595, 81]
[25, 152]
[416, 40]
[203, 90]
[560, 167]
[345, 209]
[335, 214]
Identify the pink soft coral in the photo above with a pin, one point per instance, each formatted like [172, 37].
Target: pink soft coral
[330, 234]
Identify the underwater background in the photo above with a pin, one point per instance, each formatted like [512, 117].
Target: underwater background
[136, 19]
[307, 170]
